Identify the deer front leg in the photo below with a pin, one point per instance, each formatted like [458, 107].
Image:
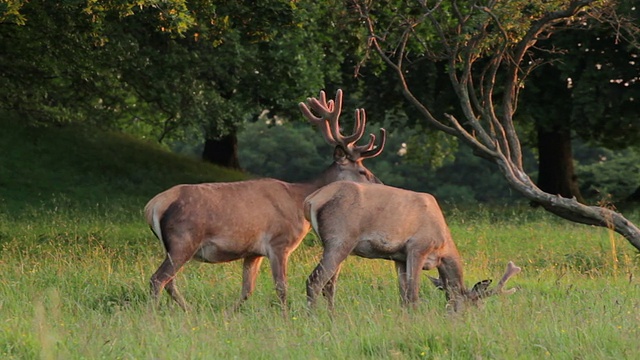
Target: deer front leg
[279, 272]
[401, 269]
[414, 264]
[250, 268]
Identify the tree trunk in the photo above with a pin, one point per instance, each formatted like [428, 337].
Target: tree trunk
[222, 151]
[556, 173]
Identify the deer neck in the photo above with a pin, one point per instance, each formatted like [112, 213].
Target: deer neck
[452, 277]
[329, 175]
[299, 191]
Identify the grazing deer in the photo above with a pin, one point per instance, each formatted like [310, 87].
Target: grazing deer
[382, 222]
[220, 222]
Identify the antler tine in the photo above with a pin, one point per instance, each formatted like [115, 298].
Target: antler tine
[358, 130]
[369, 150]
[512, 270]
[328, 120]
[372, 151]
[326, 111]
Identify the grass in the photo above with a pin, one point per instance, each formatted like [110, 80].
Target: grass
[76, 257]
[75, 286]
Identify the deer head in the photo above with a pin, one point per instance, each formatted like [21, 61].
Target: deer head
[458, 297]
[346, 153]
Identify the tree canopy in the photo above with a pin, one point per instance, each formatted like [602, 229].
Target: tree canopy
[163, 68]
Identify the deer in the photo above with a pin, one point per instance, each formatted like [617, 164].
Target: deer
[376, 221]
[253, 219]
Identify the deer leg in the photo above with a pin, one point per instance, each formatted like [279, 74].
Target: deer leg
[329, 289]
[414, 270]
[250, 268]
[327, 268]
[279, 272]
[164, 277]
[401, 269]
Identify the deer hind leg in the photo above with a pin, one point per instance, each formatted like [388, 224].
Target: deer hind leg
[164, 278]
[250, 269]
[326, 270]
[329, 289]
[180, 251]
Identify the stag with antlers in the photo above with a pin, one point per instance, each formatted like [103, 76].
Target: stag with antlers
[250, 220]
[382, 222]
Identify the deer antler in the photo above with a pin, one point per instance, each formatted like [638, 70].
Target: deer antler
[369, 150]
[512, 270]
[328, 113]
[328, 122]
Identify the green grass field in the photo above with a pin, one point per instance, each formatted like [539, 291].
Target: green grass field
[76, 257]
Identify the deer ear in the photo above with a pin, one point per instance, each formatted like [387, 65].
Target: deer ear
[339, 155]
[481, 286]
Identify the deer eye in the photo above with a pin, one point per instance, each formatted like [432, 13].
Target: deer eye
[362, 172]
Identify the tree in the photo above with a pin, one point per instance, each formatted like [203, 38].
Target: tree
[488, 52]
[588, 90]
[167, 69]
[60, 59]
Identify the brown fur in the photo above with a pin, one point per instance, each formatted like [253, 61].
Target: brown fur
[382, 222]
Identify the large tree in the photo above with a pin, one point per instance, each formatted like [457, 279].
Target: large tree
[170, 69]
[487, 47]
[586, 87]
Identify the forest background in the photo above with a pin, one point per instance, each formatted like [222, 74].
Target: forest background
[221, 81]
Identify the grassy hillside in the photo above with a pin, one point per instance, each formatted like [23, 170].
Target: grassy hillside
[79, 168]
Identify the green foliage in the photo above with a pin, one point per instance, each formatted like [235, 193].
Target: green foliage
[163, 69]
[430, 148]
[288, 152]
[591, 85]
[613, 177]
[10, 12]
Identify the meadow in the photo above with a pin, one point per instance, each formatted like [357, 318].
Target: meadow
[76, 257]
[75, 286]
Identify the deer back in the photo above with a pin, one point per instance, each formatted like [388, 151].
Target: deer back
[379, 212]
[240, 211]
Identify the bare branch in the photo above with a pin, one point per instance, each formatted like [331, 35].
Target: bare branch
[397, 67]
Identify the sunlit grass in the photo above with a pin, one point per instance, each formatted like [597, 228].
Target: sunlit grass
[75, 285]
